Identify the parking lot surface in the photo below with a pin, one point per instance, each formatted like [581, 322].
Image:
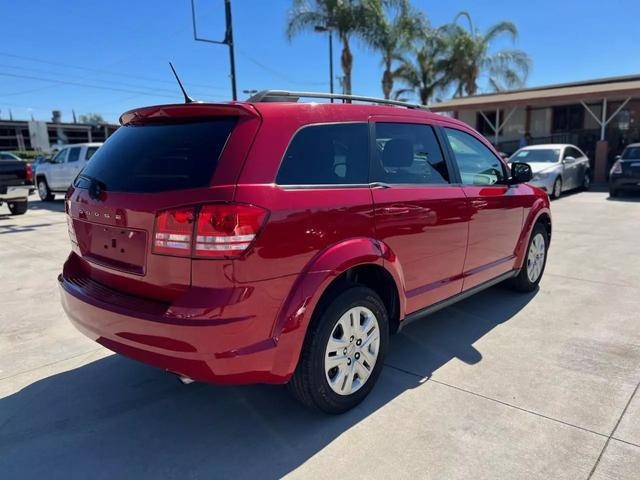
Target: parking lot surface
[501, 385]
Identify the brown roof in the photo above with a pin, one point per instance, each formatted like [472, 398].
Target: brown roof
[614, 88]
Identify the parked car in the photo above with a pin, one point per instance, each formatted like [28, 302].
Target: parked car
[556, 167]
[625, 172]
[55, 175]
[16, 182]
[283, 242]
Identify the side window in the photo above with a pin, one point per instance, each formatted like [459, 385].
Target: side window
[408, 153]
[90, 152]
[571, 152]
[327, 155]
[4, 156]
[477, 164]
[60, 156]
[74, 154]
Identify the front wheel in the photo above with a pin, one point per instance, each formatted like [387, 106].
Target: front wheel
[531, 272]
[557, 188]
[43, 191]
[343, 352]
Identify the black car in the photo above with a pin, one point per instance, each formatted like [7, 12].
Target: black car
[625, 173]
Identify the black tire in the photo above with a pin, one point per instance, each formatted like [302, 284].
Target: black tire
[309, 383]
[18, 207]
[44, 192]
[522, 282]
[586, 181]
[613, 193]
[555, 189]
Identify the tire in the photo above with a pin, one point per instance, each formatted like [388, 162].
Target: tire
[316, 383]
[528, 278]
[18, 207]
[586, 181]
[557, 188]
[44, 192]
[613, 193]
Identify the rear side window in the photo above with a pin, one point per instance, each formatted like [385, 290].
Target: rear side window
[91, 151]
[74, 154]
[327, 155]
[408, 154]
[157, 158]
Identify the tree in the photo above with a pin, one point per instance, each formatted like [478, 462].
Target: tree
[424, 73]
[470, 57]
[344, 17]
[393, 37]
[92, 118]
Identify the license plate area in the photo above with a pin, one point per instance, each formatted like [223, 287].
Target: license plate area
[116, 247]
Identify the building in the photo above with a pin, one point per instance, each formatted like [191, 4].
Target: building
[599, 116]
[21, 135]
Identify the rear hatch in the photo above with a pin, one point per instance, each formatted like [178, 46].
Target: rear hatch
[162, 159]
[631, 168]
[14, 173]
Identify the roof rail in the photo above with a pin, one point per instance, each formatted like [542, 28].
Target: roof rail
[287, 96]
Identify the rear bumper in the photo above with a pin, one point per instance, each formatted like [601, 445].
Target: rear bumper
[204, 350]
[624, 183]
[19, 192]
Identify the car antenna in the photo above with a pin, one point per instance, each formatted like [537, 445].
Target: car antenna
[187, 98]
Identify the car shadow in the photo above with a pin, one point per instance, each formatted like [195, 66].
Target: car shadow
[115, 418]
[628, 196]
[51, 206]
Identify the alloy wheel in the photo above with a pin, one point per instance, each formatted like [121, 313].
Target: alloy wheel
[42, 189]
[535, 257]
[352, 350]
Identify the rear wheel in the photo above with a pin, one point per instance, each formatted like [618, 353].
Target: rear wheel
[43, 191]
[18, 208]
[343, 352]
[535, 261]
[586, 181]
[557, 188]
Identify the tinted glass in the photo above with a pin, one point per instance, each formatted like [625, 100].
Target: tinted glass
[327, 155]
[90, 152]
[631, 153]
[408, 154]
[156, 158]
[74, 154]
[477, 164]
[536, 155]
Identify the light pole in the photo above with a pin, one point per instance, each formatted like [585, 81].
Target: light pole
[228, 40]
[320, 29]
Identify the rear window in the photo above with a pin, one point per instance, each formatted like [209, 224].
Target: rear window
[334, 154]
[157, 158]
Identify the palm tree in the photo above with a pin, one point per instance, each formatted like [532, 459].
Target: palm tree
[424, 73]
[344, 17]
[469, 57]
[393, 37]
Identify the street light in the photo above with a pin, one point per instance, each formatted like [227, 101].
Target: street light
[321, 29]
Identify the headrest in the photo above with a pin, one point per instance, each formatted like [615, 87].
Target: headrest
[397, 152]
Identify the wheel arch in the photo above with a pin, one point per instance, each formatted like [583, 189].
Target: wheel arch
[539, 213]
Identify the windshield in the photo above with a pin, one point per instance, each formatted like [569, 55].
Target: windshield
[631, 153]
[540, 155]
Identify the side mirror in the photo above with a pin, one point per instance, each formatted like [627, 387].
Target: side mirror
[520, 173]
[568, 159]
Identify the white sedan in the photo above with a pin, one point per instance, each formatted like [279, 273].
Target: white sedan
[556, 167]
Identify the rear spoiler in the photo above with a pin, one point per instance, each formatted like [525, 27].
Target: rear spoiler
[183, 111]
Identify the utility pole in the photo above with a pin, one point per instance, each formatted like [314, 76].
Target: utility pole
[228, 41]
[322, 29]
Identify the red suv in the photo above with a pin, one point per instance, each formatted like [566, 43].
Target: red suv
[282, 242]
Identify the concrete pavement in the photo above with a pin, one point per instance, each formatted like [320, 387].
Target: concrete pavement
[501, 385]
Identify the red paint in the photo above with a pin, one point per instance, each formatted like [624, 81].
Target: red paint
[242, 318]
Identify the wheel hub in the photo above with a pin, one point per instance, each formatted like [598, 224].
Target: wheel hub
[352, 350]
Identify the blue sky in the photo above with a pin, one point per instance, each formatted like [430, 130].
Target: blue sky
[110, 56]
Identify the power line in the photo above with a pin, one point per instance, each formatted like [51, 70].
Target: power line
[102, 71]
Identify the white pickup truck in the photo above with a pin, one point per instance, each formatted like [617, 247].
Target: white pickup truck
[55, 175]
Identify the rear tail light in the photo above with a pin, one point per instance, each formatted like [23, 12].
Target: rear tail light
[617, 167]
[28, 173]
[210, 231]
[174, 231]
